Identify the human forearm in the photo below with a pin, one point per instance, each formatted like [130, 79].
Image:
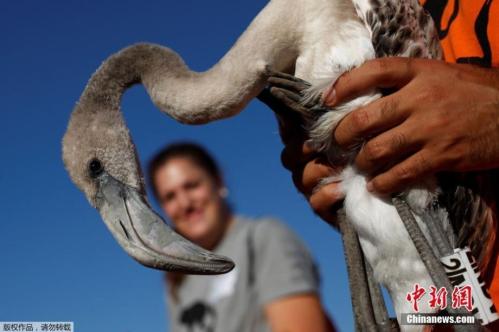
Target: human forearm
[297, 313]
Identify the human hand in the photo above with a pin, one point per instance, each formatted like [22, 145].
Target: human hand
[307, 167]
[441, 117]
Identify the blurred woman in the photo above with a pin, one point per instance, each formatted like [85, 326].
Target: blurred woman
[274, 286]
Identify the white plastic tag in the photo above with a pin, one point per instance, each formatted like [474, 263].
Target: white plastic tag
[462, 270]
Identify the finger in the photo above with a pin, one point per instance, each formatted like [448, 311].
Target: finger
[380, 115]
[267, 98]
[385, 149]
[379, 73]
[326, 201]
[290, 123]
[313, 172]
[400, 176]
[291, 130]
[296, 154]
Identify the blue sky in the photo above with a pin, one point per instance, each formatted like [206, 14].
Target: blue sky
[58, 262]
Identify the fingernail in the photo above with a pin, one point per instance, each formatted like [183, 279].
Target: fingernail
[370, 186]
[329, 97]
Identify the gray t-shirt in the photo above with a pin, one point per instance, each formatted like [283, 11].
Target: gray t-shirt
[271, 262]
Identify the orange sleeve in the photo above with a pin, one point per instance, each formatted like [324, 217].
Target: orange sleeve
[469, 33]
[469, 30]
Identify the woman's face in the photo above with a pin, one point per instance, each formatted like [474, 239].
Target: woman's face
[191, 198]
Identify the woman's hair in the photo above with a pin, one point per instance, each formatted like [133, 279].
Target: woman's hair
[201, 158]
[192, 151]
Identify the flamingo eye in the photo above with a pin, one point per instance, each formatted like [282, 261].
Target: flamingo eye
[95, 168]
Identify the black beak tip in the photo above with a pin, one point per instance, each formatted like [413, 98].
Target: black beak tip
[227, 265]
[219, 266]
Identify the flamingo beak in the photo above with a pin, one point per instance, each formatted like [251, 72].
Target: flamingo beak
[144, 235]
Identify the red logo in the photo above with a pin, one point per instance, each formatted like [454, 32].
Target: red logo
[438, 298]
[461, 297]
[415, 296]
